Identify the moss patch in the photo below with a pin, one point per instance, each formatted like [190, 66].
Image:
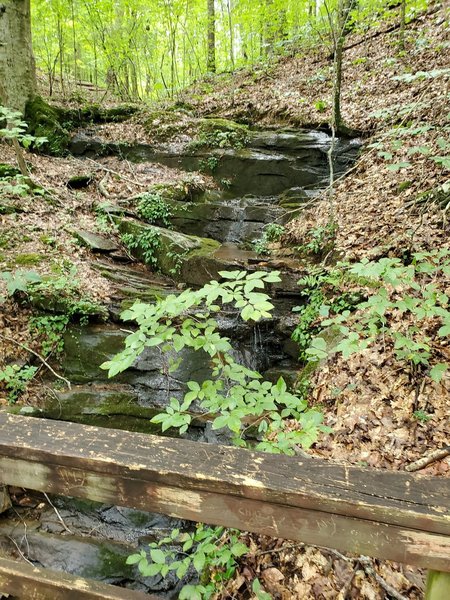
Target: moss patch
[28, 259]
[45, 121]
[220, 133]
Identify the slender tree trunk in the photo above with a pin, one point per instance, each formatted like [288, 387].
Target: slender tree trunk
[231, 33]
[402, 24]
[61, 54]
[74, 44]
[339, 35]
[17, 69]
[337, 83]
[211, 58]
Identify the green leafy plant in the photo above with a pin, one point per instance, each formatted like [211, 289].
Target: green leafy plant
[391, 145]
[16, 129]
[421, 416]
[15, 379]
[319, 241]
[104, 219]
[272, 232]
[58, 293]
[148, 243]
[320, 106]
[221, 138]
[259, 592]
[209, 164]
[320, 287]
[409, 291]
[50, 329]
[19, 281]
[15, 186]
[235, 398]
[211, 552]
[177, 259]
[154, 209]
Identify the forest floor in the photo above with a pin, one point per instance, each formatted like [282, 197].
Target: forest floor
[382, 208]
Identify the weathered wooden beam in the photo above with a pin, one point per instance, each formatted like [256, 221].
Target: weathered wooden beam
[397, 516]
[26, 582]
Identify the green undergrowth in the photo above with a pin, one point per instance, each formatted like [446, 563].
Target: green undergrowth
[401, 305]
[58, 293]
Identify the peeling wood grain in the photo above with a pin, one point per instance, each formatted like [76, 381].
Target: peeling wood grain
[344, 533]
[389, 497]
[30, 583]
[396, 516]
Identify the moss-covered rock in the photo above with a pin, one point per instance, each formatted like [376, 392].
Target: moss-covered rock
[79, 182]
[220, 133]
[45, 120]
[186, 190]
[115, 406]
[173, 248]
[192, 259]
[95, 113]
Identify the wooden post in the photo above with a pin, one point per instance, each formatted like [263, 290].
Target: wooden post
[438, 586]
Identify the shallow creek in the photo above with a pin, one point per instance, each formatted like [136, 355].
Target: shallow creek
[269, 181]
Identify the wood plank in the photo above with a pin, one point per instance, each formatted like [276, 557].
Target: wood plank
[396, 498]
[360, 536]
[26, 582]
[101, 464]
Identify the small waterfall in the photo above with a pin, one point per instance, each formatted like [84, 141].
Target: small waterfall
[236, 224]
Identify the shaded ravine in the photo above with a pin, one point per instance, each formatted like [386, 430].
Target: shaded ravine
[269, 181]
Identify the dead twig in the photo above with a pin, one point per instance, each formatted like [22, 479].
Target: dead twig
[347, 585]
[19, 550]
[57, 514]
[366, 564]
[37, 355]
[102, 168]
[427, 460]
[280, 549]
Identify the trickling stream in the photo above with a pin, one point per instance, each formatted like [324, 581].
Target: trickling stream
[267, 182]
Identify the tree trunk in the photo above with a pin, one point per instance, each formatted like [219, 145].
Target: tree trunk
[17, 69]
[339, 35]
[211, 59]
[402, 24]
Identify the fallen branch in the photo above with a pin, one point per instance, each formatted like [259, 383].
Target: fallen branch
[107, 170]
[102, 189]
[427, 460]
[37, 355]
[366, 564]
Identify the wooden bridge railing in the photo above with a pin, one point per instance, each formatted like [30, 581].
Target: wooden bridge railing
[389, 515]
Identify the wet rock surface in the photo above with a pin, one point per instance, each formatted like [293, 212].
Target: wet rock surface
[88, 539]
[271, 163]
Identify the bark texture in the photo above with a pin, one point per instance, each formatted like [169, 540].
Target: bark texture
[17, 69]
[211, 59]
